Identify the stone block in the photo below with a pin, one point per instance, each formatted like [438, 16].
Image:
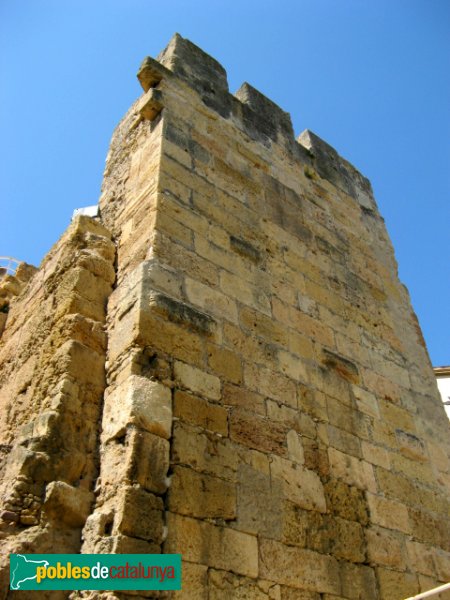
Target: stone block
[153, 275]
[180, 313]
[413, 469]
[263, 326]
[201, 496]
[241, 397]
[426, 527]
[257, 432]
[288, 593]
[244, 292]
[300, 345]
[375, 455]
[227, 585]
[66, 504]
[300, 486]
[270, 383]
[326, 534]
[411, 446]
[141, 402]
[140, 514]
[210, 545]
[388, 513]
[295, 447]
[291, 418]
[395, 584]
[341, 411]
[87, 284]
[259, 503]
[200, 412]
[341, 366]
[420, 558]
[151, 104]
[197, 381]
[204, 452]
[352, 470]
[397, 417]
[211, 300]
[346, 501]
[398, 487]
[245, 249]
[147, 460]
[264, 116]
[347, 540]
[442, 564]
[97, 265]
[80, 362]
[386, 548]
[294, 525]
[225, 363]
[359, 582]
[292, 366]
[171, 338]
[344, 441]
[366, 402]
[195, 582]
[298, 568]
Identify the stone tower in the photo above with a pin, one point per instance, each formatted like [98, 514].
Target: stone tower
[225, 365]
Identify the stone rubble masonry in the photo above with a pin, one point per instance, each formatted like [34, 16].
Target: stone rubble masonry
[225, 365]
[52, 357]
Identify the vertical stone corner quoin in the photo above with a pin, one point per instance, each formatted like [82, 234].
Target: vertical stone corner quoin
[264, 404]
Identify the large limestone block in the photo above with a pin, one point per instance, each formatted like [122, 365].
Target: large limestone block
[197, 380]
[67, 504]
[301, 486]
[141, 402]
[298, 568]
[201, 496]
[140, 457]
[207, 544]
[140, 515]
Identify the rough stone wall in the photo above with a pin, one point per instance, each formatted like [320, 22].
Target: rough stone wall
[52, 356]
[269, 409]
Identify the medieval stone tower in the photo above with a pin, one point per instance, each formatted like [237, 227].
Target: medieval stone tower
[224, 364]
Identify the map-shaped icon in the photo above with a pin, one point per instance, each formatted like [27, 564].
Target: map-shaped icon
[24, 570]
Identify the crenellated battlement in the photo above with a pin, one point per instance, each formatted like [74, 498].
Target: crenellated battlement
[258, 116]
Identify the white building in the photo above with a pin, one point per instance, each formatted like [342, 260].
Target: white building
[443, 382]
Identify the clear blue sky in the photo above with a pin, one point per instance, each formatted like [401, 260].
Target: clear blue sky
[371, 77]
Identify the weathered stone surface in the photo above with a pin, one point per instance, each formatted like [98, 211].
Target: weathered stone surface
[141, 402]
[204, 452]
[395, 584]
[298, 568]
[197, 411]
[140, 515]
[352, 470]
[254, 393]
[197, 381]
[66, 504]
[201, 496]
[385, 547]
[259, 500]
[217, 547]
[358, 582]
[227, 585]
[301, 486]
[147, 460]
[389, 514]
[257, 432]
